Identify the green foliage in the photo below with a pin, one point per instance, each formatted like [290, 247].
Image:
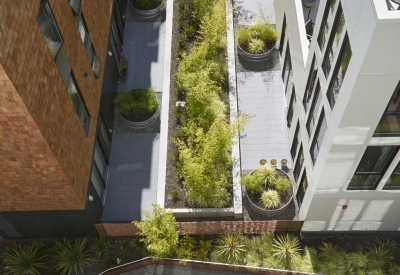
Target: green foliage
[21, 259]
[379, 256]
[270, 199]
[261, 248]
[359, 260]
[394, 269]
[213, 26]
[159, 232]
[249, 38]
[136, 102]
[145, 4]
[282, 184]
[101, 246]
[175, 194]
[72, 256]
[230, 248]
[268, 174]
[286, 248]
[256, 46]
[254, 183]
[329, 251]
[186, 248]
[205, 247]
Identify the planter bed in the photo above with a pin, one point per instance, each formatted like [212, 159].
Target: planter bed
[181, 207]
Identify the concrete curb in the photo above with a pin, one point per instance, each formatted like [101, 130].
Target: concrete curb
[233, 104]
[162, 159]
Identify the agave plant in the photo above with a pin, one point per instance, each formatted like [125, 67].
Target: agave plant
[101, 246]
[379, 256]
[24, 259]
[72, 257]
[286, 248]
[329, 252]
[359, 260]
[230, 248]
[270, 199]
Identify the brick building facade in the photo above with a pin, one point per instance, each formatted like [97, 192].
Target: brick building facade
[46, 148]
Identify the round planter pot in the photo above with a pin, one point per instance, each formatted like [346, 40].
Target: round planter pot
[141, 124]
[148, 13]
[255, 57]
[266, 212]
[309, 3]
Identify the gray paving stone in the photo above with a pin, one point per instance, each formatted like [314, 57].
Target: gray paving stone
[246, 10]
[132, 177]
[266, 135]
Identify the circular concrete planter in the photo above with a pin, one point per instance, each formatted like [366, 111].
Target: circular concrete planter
[142, 124]
[266, 212]
[255, 57]
[309, 3]
[148, 13]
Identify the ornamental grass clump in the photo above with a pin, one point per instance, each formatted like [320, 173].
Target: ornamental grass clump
[257, 38]
[24, 259]
[270, 199]
[230, 248]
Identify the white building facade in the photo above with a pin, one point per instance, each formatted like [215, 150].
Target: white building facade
[341, 74]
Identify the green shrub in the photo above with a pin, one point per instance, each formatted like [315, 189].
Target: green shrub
[286, 248]
[230, 248]
[175, 194]
[257, 32]
[100, 246]
[282, 184]
[270, 199]
[329, 251]
[158, 232]
[256, 46]
[205, 247]
[145, 4]
[21, 259]
[72, 256]
[186, 248]
[268, 173]
[136, 102]
[254, 183]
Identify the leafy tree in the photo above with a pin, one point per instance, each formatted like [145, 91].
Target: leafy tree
[72, 256]
[21, 259]
[159, 232]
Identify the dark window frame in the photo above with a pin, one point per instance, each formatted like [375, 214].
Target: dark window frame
[314, 142]
[292, 103]
[295, 142]
[324, 22]
[312, 75]
[76, 12]
[317, 94]
[288, 58]
[331, 39]
[87, 126]
[301, 191]
[396, 90]
[392, 187]
[339, 60]
[380, 174]
[283, 34]
[298, 164]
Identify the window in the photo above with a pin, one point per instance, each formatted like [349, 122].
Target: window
[394, 179]
[100, 162]
[48, 27]
[83, 31]
[312, 117]
[287, 70]
[298, 165]
[291, 107]
[318, 137]
[334, 42]
[302, 189]
[296, 141]
[75, 5]
[340, 73]
[372, 167]
[283, 33]
[310, 85]
[104, 133]
[326, 23]
[78, 103]
[389, 125]
[95, 179]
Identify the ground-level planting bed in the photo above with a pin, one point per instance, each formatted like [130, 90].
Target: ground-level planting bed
[198, 172]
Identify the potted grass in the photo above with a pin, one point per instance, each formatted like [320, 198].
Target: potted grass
[256, 42]
[138, 108]
[147, 8]
[268, 190]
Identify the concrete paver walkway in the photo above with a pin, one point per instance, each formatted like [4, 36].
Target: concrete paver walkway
[133, 169]
[266, 135]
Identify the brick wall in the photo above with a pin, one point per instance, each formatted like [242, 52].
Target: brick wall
[44, 148]
[192, 228]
